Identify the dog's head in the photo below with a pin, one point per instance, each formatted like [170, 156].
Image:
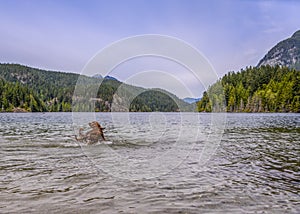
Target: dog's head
[95, 124]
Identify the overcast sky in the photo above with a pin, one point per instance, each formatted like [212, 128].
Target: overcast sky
[65, 35]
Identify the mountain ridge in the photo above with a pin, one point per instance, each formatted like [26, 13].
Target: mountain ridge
[53, 91]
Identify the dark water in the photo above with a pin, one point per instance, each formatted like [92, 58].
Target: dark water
[153, 163]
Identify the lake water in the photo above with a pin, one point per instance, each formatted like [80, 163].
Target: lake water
[152, 163]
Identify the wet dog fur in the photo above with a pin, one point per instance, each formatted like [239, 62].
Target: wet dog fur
[92, 136]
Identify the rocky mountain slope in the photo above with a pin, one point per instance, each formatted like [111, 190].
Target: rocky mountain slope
[285, 53]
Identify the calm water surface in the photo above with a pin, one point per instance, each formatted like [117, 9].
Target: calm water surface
[151, 164]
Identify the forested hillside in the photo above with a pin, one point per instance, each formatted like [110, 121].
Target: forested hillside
[255, 89]
[153, 101]
[52, 90]
[23, 88]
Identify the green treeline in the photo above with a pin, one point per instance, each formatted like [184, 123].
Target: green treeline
[255, 89]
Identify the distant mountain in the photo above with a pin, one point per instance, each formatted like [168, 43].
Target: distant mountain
[285, 53]
[191, 100]
[110, 78]
[98, 76]
[23, 88]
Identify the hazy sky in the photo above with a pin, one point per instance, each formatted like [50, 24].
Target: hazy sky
[65, 35]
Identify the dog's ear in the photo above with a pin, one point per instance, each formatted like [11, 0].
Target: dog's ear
[98, 124]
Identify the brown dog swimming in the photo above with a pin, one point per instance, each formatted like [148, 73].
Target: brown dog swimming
[92, 136]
